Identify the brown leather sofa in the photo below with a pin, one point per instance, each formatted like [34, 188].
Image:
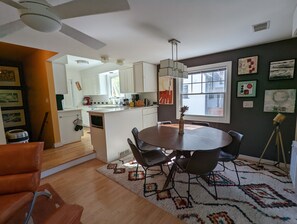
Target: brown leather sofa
[20, 166]
[20, 169]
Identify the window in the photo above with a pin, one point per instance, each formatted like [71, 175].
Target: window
[207, 93]
[113, 81]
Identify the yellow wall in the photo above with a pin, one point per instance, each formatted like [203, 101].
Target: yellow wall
[39, 97]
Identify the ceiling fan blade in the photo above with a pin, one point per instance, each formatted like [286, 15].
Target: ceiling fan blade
[13, 4]
[78, 8]
[11, 27]
[81, 37]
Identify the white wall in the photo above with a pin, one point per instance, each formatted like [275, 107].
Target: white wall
[74, 97]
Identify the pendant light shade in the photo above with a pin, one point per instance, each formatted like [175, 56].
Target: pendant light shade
[171, 67]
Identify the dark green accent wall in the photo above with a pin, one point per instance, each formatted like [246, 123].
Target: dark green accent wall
[255, 124]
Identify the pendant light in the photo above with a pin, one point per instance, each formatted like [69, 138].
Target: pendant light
[171, 67]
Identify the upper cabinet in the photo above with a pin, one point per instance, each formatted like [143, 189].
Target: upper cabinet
[94, 84]
[59, 72]
[145, 77]
[126, 80]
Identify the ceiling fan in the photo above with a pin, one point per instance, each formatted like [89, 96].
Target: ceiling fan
[41, 16]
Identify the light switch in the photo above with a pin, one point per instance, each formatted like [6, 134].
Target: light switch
[248, 104]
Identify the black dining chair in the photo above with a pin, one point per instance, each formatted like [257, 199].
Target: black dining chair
[201, 163]
[148, 159]
[164, 122]
[231, 152]
[206, 124]
[141, 144]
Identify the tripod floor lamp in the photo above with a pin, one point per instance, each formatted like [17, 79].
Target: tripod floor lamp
[277, 120]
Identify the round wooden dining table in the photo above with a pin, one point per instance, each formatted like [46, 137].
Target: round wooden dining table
[195, 138]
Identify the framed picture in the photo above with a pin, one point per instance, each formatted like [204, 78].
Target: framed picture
[165, 90]
[282, 69]
[11, 98]
[12, 118]
[9, 76]
[246, 88]
[280, 100]
[248, 65]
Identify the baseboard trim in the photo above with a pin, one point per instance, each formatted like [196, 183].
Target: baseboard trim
[67, 165]
[263, 161]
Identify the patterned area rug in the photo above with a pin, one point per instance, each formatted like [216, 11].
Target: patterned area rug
[265, 195]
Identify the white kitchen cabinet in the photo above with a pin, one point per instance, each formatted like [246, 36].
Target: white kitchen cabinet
[67, 132]
[85, 116]
[126, 80]
[93, 84]
[145, 77]
[60, 80]
[110, 140]
[149, 117]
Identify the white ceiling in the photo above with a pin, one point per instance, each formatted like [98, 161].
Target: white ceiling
[142, 33]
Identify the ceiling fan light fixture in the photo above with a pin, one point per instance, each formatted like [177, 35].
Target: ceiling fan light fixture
[41, 23]
[38, 16]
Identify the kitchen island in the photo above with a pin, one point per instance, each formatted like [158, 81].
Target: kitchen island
[110, 128]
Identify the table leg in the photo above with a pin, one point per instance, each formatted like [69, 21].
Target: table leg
[169, 176]
[173, 169]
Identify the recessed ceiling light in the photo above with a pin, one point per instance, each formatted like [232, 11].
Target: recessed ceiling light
[261, 26]
[82, 62]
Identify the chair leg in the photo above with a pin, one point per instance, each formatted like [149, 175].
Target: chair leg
[224, 166]
[137, 170]
[189, 184]
[236, 173]
[36, 194]
[214, 184]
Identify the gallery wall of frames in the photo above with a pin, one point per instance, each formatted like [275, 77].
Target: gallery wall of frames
[13, 101]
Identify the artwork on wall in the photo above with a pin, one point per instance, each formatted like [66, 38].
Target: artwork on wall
[12, 118]
[282, 69]
[11, 98]
[246, 88]
[280, 100]
[248, 65]
[165, 90]
[9, 76]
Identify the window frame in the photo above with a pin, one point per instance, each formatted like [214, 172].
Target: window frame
[227, 102]
[108, 82]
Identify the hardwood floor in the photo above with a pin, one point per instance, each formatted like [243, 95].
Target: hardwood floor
[104, 201]
[57, 156]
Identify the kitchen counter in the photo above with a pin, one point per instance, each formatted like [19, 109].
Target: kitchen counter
[117, 109]
[110, 128]
[69, 109]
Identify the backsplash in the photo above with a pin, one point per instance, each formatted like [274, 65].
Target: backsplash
[104, 99]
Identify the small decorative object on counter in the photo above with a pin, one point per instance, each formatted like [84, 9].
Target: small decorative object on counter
[181, 120]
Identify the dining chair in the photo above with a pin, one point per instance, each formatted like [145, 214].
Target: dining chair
[201, 163]
[148, 159]
[206, 124]
[141, 144]
[231, 152]
[164, 122]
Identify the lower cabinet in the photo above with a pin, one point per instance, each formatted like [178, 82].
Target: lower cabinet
[110, 140]
[149, 117]
[67, 125]
[85, 116]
